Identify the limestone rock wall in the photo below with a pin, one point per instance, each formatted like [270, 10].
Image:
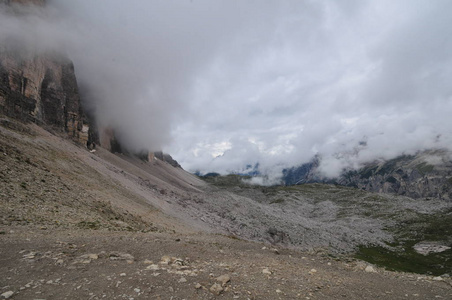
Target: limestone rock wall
[41, 89]
[164, 157]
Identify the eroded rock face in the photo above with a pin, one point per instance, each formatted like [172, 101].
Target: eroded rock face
[39, 87]
[165, 157]
[42, 89]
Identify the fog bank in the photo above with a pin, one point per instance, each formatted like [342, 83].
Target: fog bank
[226, 85]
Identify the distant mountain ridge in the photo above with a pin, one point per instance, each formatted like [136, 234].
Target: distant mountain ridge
[427, 174]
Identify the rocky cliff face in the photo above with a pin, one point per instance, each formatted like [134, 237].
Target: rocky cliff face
[40, 88]
[43, 89]
[164, 157]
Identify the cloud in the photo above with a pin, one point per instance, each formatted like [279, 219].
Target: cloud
[326, 77]
[222, 85]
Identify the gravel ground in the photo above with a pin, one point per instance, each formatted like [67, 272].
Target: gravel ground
[89, 264]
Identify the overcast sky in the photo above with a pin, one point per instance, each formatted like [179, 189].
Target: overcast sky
[225, 84]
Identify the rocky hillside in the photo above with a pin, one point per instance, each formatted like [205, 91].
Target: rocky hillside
[76, 224]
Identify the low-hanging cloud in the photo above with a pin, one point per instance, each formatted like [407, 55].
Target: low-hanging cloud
[351, 81]
[227, 85]
[135, 61]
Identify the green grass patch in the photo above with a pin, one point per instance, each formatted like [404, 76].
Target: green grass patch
[424, 168]
[231, 180]
[279, 200]
[408, 260]
[401, 256]
[392, 164]
[89, 225]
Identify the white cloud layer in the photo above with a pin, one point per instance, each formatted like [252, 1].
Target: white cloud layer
[222, 85]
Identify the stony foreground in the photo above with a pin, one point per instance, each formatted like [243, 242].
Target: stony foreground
[90, 264]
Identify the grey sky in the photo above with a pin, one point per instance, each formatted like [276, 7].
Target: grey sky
[224, 84]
